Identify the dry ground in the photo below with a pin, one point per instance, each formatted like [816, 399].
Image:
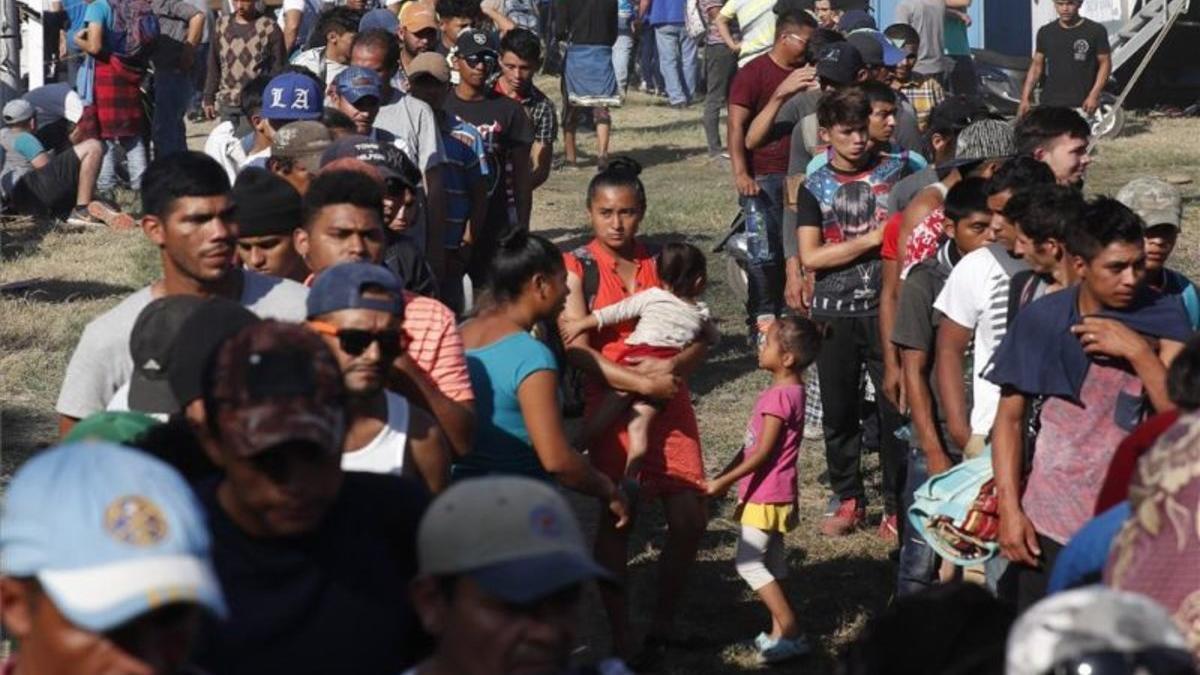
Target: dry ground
[835, 585]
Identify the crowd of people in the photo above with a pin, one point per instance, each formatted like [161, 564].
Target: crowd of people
[331, 436]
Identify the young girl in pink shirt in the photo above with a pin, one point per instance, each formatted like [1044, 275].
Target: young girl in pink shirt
[765, 472]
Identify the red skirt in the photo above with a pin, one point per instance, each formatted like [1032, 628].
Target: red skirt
[648, 351]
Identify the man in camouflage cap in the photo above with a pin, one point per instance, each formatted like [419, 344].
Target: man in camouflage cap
[315, 561]
[1160, 206]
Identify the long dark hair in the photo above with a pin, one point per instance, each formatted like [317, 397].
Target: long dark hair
[520, 256]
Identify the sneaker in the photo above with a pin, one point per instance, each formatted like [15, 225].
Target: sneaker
[113, 217]
[888, 531]
[783, 649]
[848, 517]
[80, 217]
[762, 641]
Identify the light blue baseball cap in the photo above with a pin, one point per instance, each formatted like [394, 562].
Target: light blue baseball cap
[109, 532]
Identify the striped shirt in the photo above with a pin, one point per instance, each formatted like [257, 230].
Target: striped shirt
[976, 297]
[461, 170]
[435, 345]
[756, 21]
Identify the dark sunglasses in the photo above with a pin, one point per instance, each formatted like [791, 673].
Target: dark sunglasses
[1154, 661]
[475, 59]
[354, 341]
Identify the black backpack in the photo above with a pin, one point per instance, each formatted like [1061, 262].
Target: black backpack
[570, 378]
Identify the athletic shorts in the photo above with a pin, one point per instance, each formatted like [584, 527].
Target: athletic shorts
[50, 190]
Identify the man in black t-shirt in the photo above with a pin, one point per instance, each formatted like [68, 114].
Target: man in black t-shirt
[507, 137]
[1073, 53]
[314, 562]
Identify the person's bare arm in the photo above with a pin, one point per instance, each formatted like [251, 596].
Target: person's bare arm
[501, 21]
[541, 157]
[726, 34]
[427, 448]
[958, 4]
[65, 424]
[41, 160]
[457, 418]
[893, 379]
[1109, 337]
[739, 119]
[817, 255]
[764, 448]
[91, 39]
[915, 366]
[538, 397]
[1018, 539]
[759, 132]
[1092, 102]
[522, 180]
[291, 29]
[1036, 66]
[952, 343]
[582, 356]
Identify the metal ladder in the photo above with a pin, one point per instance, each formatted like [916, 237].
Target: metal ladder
[1145, 24]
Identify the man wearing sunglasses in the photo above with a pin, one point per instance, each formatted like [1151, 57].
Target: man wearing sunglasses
[507, 138]
[343, 223]
[356, 308]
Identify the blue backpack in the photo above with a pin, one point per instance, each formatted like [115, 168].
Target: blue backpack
[136, 26]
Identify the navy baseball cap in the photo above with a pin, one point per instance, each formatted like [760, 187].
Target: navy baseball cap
[356, 83]
[292, 96]
[856, 19]
[109, 532]
[390, 160]
[341, 287]
[839, 63]
[379, 19]
[876, 49]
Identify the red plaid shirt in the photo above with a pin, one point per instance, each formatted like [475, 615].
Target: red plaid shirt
[118, 98]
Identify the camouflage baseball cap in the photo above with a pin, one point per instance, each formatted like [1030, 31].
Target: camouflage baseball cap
[303, 142]
[1068, 630]
[1156, 201]
[274, 383]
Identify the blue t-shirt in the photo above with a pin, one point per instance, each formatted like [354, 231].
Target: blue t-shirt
[665, 12]
[19, 148]
[1082, 561]
[99, 11]
[462, 169]
[75, 10]
[502, 444]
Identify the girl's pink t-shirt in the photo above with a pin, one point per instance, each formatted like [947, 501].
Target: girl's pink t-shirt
[775, 482]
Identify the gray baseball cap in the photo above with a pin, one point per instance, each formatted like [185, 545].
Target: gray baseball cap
[982, 140]
[1156, 201]
[515, 536]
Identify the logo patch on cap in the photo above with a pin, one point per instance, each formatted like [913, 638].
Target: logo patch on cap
[136, 521]
[480, 39]
[544, 522]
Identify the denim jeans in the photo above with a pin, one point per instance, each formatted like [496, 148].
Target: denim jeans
[720, 65]
[647, 50]
[172, 96]
[135, 156]
[918, 567]
[622, 50]
[765, 274]
[677, 61]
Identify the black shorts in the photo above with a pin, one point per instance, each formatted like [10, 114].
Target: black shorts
[50, 190]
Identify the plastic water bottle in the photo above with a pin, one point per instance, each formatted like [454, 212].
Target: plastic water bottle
[755, 236]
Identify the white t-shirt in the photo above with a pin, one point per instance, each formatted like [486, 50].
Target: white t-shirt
[385, 453]
[102, 363]
[309, 11]
[976, 297]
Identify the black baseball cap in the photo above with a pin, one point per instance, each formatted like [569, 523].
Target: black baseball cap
[471, 42]
[391, 161]
[954, 114]
[840, 63]
[265, 204]
[150, 342]
[206, 328]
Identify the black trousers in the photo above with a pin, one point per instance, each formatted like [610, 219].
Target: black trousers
[852, 346]
[1023, 586]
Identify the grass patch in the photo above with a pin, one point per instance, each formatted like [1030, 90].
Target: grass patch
[835, 585]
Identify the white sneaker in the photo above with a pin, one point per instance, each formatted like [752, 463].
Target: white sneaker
[783, 649]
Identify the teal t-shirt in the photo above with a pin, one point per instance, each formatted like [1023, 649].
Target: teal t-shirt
[955, 42]
[99, 11]
[502, 444]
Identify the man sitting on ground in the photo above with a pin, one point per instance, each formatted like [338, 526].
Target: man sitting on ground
[47, 183]
[104, 564]
[314, 562]
[356, 308]
[188, 217]
[343, 223]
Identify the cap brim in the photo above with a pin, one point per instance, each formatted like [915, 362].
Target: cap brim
[528, 579]
[151, 396]
[1165, 217]
[101, 598]
[959, 162]
[420, 25]
[311, 160]
[303, 426]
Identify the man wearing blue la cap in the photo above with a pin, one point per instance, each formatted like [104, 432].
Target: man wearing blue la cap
[105, 564]
[357, 92]
[502, 563]
[290, 97]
